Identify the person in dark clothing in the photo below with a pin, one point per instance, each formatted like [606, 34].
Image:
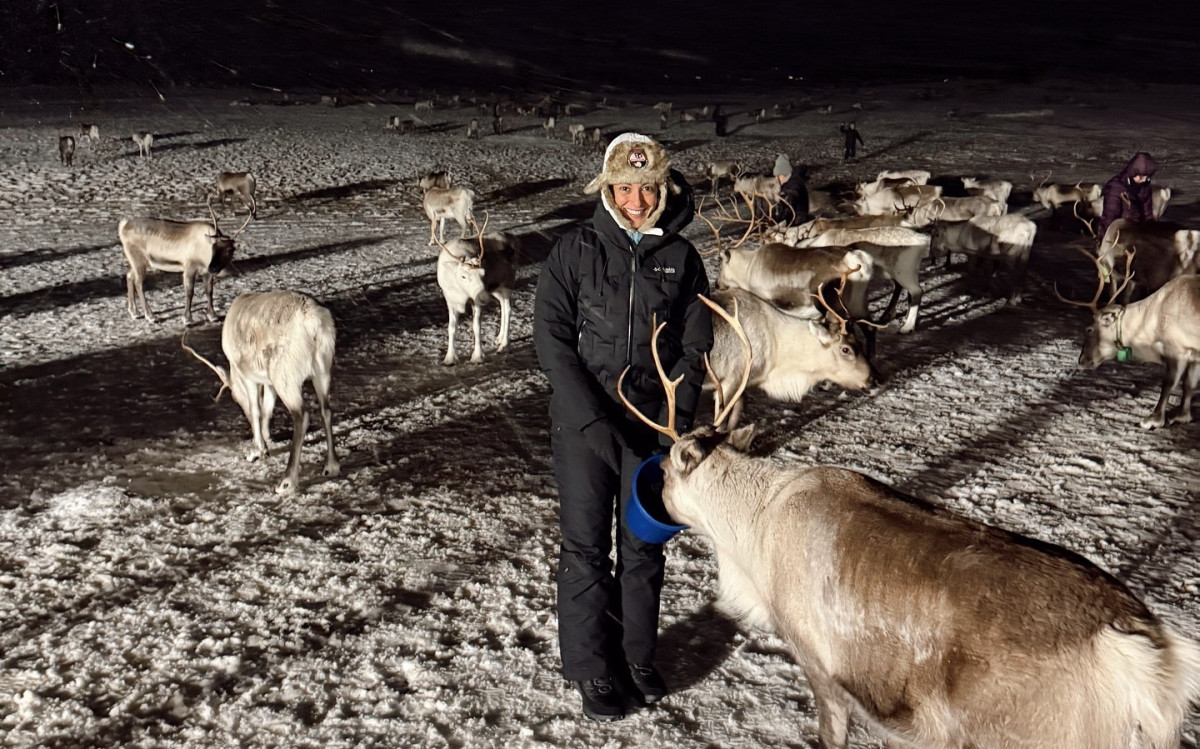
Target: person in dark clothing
[602, 289]
[853, 138]
[792, 208]
[1129, 195]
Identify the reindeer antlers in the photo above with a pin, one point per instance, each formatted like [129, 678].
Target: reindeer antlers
[669, 387]
[1094, 305]
[735, 323]
[753, 225]
[220, 371]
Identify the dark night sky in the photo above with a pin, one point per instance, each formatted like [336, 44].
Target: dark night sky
[358, 45]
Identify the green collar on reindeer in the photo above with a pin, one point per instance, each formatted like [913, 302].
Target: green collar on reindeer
[1124, 353]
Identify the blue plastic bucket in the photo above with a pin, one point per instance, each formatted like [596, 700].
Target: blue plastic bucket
[645, 514]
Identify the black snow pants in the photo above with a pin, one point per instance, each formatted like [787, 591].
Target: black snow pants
[603, 613]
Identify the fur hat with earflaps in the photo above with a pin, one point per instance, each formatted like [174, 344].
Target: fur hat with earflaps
[634, 159]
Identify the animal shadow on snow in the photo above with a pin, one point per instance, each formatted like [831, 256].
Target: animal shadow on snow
[35, 256]
[887, 148]
[338, 192]
[521, 190]
[694, 646]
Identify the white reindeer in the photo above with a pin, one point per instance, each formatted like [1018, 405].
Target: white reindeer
[896, 253]
[241, 184]
[792, 355]
[724, 169]
[1053, 195]
[275, 341]
[955, 209]
[144, 141]
[471, 275]
[985, 239]
[89, 132]
[193, 248]
[548, 126]
[940, 631]
[577, 133]
[998, 190]
[442, 203]
[1162, 328]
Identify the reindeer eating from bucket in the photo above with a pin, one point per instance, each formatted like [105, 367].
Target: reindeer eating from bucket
[939, 631]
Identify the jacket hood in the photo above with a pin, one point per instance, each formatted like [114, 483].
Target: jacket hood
[676, 209]
[1141, 163]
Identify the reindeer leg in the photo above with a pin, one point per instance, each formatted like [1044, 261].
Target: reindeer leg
[833, 714]
[321, 381]
[432, 231]
[209, 281]
[258, 447]
[505, 297]
[189, 285]
[476, 312]
[1173, 370]
[451, 357]
[1190, 381]
[132, 284]
[889, 313]
[268, 408]
[291, 478]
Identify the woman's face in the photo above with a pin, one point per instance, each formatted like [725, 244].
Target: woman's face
[1140, 178]
[635, 202]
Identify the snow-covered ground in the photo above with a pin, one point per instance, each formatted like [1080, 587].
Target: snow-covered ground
[156, 592]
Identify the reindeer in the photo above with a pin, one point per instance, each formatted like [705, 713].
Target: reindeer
[955, 209]
[718, 170]
[1007, 238]
[467, 275]
[1162, 328]
[998, 190]
[449, 202]
[89, 132]
[1164, 251]
[791, 354]
[241, 184]
[1052, 196]
[941, 631]
[793, 235]
[144, 141]
[473, 129]
[193, 248]
[596, 139]
[440, 179]
[548, 126]
[577, 133]
[893, 178]
[896, 253]
[1159, 198]
[275, 341]
[897, 199]
[425, 105]
[66, 150]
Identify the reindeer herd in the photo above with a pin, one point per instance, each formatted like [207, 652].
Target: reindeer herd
[943, 632]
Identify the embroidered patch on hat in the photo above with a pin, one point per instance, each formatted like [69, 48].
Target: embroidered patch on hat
[637, 159]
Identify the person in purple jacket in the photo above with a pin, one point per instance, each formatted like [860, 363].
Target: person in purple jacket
[1129, 194]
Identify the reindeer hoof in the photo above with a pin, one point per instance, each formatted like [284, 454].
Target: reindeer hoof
[477, 359]
[450, 361]
[332, 469]
[287, 486]
[1152, 422]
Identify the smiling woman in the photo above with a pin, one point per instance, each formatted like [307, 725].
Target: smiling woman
[623, 280]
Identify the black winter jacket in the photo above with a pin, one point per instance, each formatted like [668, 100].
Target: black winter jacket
[596, 297]
[1124, 198]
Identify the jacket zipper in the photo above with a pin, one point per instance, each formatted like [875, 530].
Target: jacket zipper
[629, 331]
